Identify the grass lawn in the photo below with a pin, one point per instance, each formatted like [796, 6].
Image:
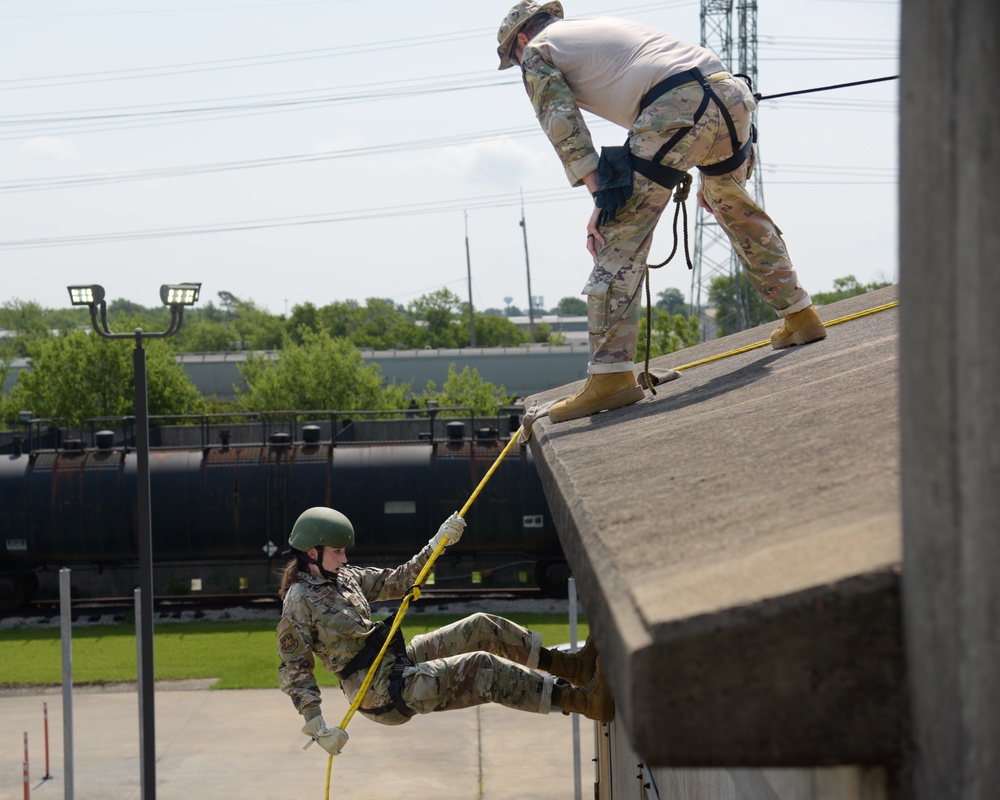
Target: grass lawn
[241, 654]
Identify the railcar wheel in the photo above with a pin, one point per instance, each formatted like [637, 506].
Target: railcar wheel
[552, 577]
[16, 590]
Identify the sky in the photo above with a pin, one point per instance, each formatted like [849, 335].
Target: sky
[334, 150]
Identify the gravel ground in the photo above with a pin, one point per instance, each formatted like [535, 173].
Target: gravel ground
[535, 606]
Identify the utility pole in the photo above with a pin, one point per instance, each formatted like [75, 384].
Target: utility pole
[527, 264]
[468, 270]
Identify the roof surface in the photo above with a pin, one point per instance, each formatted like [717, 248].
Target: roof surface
[736, 539]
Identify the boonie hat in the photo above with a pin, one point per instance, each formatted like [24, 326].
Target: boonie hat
[515, 20]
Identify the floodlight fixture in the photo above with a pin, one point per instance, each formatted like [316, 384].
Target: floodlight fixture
[180, 294]
[86, 295]
[176, 296]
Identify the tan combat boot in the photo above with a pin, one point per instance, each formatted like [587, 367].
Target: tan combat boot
[594, 701]
[603, 391]
[799, 327]
[579, 667]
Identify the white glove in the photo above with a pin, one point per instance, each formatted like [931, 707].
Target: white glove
[451, 529]
[330, 739]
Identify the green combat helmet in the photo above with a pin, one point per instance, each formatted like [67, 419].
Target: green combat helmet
[513, 22]
[321, 527]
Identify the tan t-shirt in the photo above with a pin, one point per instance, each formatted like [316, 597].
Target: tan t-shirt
[610, 64]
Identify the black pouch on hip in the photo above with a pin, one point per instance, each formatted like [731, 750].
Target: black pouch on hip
[614, 181]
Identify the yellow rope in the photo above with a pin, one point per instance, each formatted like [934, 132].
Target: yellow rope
[757, 345]
[413, 594]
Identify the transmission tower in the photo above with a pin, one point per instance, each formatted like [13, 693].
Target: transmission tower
[713, 253]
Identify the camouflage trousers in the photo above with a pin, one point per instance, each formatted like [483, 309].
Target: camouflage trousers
[479, 659]
[613, 287]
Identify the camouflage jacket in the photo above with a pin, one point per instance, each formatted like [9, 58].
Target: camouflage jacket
[559, 115]
[331, 620]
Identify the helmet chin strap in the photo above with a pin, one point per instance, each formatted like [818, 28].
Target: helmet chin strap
[318, 563]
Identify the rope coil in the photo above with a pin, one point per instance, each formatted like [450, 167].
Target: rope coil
[681, 193]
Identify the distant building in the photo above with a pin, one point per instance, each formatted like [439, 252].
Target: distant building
[522, 371]
[573, 328]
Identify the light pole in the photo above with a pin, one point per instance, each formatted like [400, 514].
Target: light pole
[176, 296]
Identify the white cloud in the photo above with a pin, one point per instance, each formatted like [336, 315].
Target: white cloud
[501, 162]
[49, 148]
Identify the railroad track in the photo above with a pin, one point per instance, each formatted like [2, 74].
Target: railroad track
[165, 608]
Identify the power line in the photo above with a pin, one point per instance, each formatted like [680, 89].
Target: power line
[90, 122]
[185, 68]
[233, 63]
[156, 173]
[884, 106]
[409, 209]
[160, 173]
[133, 12]
[883, 176]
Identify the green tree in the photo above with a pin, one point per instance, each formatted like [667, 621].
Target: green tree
[208, 311]
[572, 307]
[254, 328]
[6, 356]
[543, 333]
[670, 333]
[321, 373]
[78, 375]
[493, 331]
[381, 325]
[229, 302]
[204, 335]
[467, 389]
[66, 319]
[378, 325]
[251, 327]
[339, 318]
[26, 319]
[155, 319]
[303, 317]
[672, 301]
[738, 305]
[440, 311]
[844, 288]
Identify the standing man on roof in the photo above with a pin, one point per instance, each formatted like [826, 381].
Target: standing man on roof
[326, 614]
[682, 109]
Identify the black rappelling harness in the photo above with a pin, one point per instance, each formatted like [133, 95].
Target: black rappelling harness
[670, 177]
[617, 165]
[366, 657]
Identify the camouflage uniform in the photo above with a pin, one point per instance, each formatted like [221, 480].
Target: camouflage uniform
[619, 268]
[475, 660]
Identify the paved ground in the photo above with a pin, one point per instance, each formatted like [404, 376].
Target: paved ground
[246, 745]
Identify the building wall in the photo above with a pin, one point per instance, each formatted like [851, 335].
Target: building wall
[623, 776]
[950, 392]
[522, 371]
